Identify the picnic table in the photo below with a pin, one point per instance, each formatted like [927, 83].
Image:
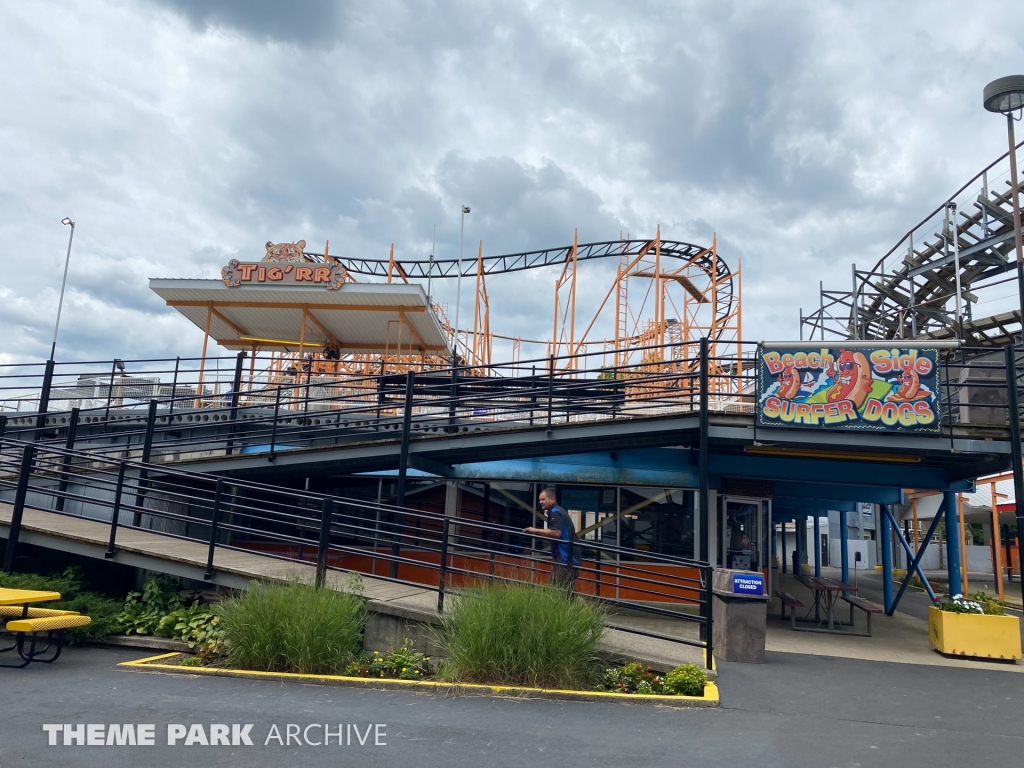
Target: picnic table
[25, 597]
[25, 622]
[827, 593]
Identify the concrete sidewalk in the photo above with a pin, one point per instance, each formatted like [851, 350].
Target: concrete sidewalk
[900, 638]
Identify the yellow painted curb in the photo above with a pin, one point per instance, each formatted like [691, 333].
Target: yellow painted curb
[709, 699]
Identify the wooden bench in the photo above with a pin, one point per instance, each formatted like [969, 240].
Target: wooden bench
[30, 630]
[864, 605]
[792, 603]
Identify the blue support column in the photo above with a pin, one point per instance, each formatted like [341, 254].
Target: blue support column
[784, 566]
[952, 542]
[886, 539]
[844, 547]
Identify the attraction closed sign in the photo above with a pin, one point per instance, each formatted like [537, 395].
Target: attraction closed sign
[889, 389]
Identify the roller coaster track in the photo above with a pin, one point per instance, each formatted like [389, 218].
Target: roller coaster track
[908, 292]
[680, 254]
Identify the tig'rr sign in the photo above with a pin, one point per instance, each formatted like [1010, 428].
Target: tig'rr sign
[237, 273]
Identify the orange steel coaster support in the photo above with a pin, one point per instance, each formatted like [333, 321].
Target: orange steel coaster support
[704, 300]
[668, 313]
[481, 350]
[563, 332]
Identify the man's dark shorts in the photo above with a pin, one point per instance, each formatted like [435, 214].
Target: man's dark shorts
[564, 576]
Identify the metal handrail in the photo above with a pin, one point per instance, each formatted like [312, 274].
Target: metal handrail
[271, 515]
[372, 404]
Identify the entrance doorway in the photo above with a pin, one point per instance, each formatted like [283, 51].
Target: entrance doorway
[744, 534]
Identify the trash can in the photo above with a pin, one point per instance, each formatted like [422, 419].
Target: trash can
[740, 615]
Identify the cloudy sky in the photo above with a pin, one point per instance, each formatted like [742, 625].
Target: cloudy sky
[181, 133]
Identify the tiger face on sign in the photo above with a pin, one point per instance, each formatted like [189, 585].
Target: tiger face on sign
[285, 251]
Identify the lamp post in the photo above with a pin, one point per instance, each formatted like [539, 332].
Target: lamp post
[1006, 96]
[458, 283]
[430, 267]
[60, 304]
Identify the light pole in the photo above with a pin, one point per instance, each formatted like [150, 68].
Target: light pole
[430, 267]
[60, 304]
[458, 283]
[1006, 96]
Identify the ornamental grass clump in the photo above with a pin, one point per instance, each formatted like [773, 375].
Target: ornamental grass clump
[292, 628]
[522, 634]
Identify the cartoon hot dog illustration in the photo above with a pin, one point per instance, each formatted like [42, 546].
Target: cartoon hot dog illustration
[853, 378]
[789, 383]
[879, 387]
[910, 385]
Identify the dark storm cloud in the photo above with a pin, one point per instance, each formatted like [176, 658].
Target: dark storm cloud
[520, 206]
[305, 22]
[181, 133]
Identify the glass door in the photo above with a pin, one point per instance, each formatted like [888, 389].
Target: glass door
[743, 534]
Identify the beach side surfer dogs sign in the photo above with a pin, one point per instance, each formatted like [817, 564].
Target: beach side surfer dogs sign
[885, 389]
[284, 264]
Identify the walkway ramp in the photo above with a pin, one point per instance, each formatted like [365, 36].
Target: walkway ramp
[181, 557]
[236, 569]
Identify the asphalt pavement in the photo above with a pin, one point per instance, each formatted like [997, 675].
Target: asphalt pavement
[793, 711]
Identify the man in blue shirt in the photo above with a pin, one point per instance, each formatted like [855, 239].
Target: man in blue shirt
[566, 565]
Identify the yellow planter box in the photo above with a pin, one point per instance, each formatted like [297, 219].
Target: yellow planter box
[974, 634]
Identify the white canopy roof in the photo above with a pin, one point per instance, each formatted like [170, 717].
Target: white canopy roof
[982, 497]
[357, 318]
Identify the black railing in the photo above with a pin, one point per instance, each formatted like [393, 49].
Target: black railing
[339, 533]
[320, 410]
[332, 409]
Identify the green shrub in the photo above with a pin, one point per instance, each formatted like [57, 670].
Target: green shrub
[159, 611]
[522, 634]
[292, 628]
[686, 680]
[206, 653]
[990, 604]
[979, 602]
[633, 677]
[403, 663]
[74, 597]
[144, 611]
[196, 625]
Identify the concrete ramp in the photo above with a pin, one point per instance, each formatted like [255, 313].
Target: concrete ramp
[395, 608]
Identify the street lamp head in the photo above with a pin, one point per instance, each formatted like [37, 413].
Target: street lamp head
[1005, 95]
[66, 221]
[465, 209]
